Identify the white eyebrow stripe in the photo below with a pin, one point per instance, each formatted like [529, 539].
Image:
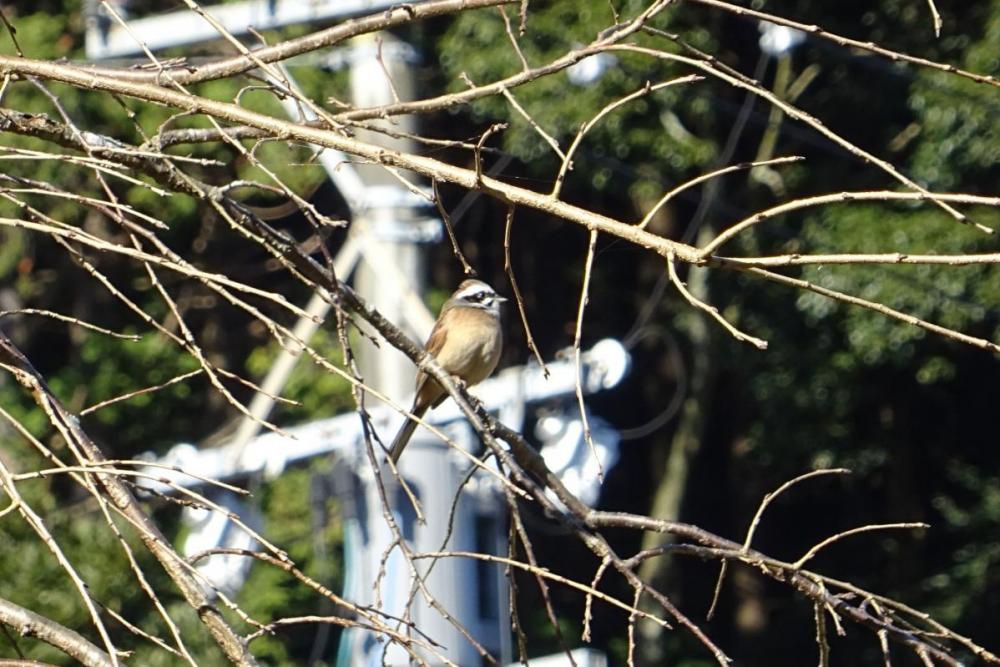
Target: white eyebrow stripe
[474, 288]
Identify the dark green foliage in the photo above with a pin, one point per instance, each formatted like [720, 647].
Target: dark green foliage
[84, 368]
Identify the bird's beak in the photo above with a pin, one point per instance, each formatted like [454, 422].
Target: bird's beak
[502, 299]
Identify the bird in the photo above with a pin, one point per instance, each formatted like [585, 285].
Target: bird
[466, 341]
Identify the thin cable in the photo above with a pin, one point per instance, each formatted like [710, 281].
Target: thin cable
[712, 187]
[680, 393]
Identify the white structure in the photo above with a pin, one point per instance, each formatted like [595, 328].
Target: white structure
[472, 591]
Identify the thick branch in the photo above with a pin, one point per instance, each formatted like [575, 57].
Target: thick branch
[607, 39]
[391, 18]
[29, 624]
[287, 130]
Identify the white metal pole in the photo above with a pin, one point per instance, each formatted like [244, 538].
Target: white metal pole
[394, 264]
[380, 74]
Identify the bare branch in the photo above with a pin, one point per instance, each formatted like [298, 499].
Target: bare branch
[876, 307]
[808, 119]
[134, 234]
[567, 159]
[704, 177]
[809, 555]
[817, 31]
[518, 298]
[836, 198]
[577, 338]
[29, 624]
[67, 425]
[395, 16]
[711, 310]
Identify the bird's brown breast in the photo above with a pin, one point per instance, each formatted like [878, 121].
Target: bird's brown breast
[473, 346]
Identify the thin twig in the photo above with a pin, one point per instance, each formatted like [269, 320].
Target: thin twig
[836, 198]
[546, 137]
[935, 17]
[819, 617]
[446, 218]
[630, 661]
[567, 159]
[860, 258]
[712, 174]
[547, 574]
[854, 531]
[878, 308]
[773, 495]
[140, 392]
[711, 310]
[72, 320]
[492, 129]
[577, 340]
[513, 39]
[12, 31]
[808, 119]
[588, 603]
[518, 298]
[35, 522]
[871, 47]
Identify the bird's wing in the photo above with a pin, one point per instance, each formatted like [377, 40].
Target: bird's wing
[438, 335]
[428, 391]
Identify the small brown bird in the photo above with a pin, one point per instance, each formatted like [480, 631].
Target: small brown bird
[466, 341]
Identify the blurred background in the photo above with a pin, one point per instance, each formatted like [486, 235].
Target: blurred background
[709, 425]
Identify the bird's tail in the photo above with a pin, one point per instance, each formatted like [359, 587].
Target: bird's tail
[403, 437]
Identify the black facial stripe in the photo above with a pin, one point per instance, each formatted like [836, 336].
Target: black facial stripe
[478, 297]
